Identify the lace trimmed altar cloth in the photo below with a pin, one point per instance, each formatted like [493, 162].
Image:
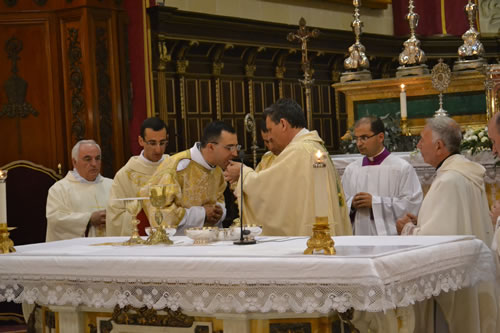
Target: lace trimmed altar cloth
[368, 273]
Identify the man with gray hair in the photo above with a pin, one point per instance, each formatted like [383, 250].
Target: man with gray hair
[76, 204]
[456, 204]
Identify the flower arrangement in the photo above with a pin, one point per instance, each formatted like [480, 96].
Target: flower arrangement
[394, 140]
[475, 141]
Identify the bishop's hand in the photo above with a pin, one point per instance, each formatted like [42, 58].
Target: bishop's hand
[232, 172]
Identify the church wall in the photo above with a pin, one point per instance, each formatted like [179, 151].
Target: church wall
[62, 80]
[320, 14]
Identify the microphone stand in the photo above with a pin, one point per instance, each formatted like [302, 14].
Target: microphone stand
[243, 240]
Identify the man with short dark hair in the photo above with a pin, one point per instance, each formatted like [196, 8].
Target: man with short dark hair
[379, 187]
[194, 180]
[75, 204]
[134, 175]
[281, 197]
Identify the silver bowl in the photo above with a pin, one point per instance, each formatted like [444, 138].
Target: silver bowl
[234, 232]
[203, 235]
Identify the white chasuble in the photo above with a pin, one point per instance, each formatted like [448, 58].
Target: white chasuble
[127, 183]
[395, 190]
[191, 183]
[280, 198]
[70, 203]
[456, 204]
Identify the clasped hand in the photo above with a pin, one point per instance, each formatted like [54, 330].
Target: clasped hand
[213, 213]
[401, 222]
[362, 200]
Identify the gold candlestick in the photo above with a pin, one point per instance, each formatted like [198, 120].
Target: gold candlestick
[321, 239]
[471, 51]
[412, 59]
[357, 63]
[6, 244]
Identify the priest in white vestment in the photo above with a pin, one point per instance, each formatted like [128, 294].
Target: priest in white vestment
[194, 180]
[281, 197]
[134, 175]
[380, 187]
[76, 204]
[456, 204]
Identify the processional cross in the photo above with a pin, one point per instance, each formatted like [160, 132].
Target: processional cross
[302, 36]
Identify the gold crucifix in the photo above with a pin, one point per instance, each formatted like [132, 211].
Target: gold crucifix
[302, 36]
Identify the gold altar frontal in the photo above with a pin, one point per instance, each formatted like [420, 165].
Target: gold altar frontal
[121, 320]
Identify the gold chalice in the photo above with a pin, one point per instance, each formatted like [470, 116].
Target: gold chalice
[133, 207]
[158, 199]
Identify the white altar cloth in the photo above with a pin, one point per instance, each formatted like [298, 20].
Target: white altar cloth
[368, 273]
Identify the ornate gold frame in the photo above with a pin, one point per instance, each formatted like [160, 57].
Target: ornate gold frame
[415, 86]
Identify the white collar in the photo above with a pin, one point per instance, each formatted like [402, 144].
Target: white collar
[80, 179]
[198, 157]
[373, 157]
[144, 159]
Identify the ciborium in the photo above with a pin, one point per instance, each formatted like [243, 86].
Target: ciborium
[133, 207]
[158, 198]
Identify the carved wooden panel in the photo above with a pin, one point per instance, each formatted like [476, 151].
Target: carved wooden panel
[30, 114]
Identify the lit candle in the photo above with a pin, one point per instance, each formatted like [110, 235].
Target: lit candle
[320, 183]
[3, 197]
[402, 101]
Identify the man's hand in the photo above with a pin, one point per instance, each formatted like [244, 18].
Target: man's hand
[495, 212]
[362, 200]
[213, 213]
[232, 172]
[400, 223]
[98, 218]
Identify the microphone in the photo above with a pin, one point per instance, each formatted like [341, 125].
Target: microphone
[243, 240]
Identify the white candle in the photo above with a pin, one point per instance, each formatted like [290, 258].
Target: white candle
[3, 197]
[320, 183]
[402, 101]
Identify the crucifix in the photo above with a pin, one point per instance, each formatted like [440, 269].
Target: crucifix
[302, 36]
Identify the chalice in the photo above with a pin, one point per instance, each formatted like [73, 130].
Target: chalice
[133, 207]
[158, 199]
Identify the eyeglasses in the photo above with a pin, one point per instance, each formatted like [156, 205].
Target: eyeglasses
[156, 143]
[363, 138]
[231, 148]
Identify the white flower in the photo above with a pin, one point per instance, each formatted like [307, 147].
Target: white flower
[484, 139]
[480, 134]
[473, 137]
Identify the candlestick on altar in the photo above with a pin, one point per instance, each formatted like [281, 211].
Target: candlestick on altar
[404, 111]
[321, 239]
[6, 244]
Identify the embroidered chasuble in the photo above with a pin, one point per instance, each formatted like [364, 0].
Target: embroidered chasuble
[266, 161]
[70, 203]
[395, 189]
[280, 198]
[191, 183]
[127, 183]
[456, 204]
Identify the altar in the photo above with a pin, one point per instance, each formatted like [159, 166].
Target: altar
[220, 286]
[426, 172]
